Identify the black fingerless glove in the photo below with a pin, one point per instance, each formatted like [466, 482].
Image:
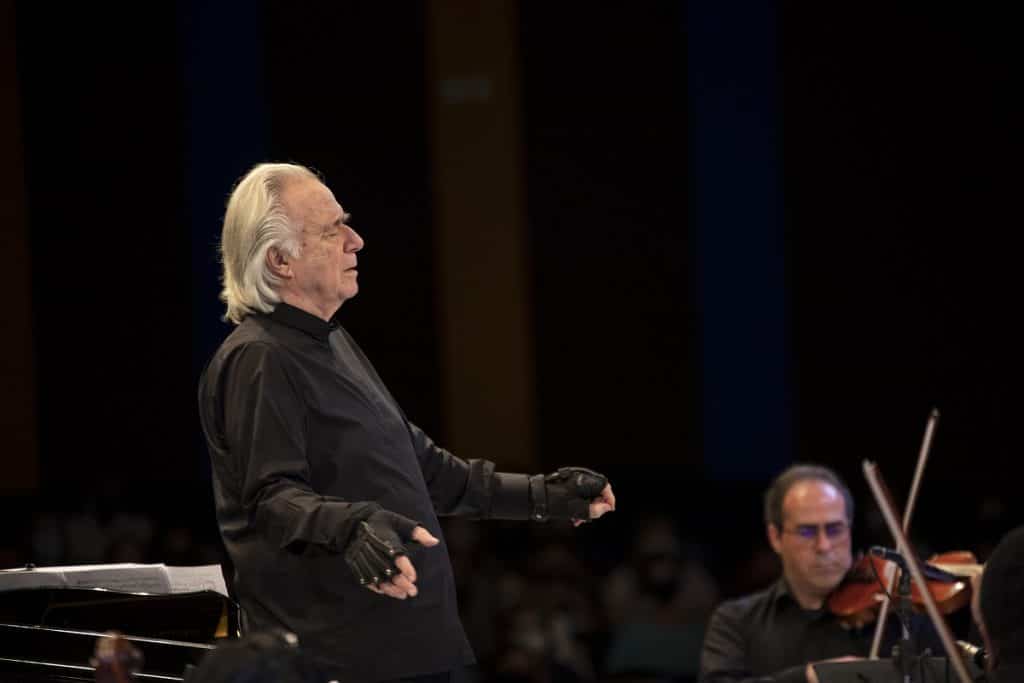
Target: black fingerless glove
[376, 544]
[565, 494]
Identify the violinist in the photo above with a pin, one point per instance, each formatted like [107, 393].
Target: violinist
[998, 609]
[776, 634]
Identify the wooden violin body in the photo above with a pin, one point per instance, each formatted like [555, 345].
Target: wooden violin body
[858, 598]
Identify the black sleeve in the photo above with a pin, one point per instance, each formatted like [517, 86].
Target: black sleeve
[469, 488]
[459, 487]
[723, 659]
[265, 433]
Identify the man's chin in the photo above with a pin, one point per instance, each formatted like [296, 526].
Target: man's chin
[827, 582]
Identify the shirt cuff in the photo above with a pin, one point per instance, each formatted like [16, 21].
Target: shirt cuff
[510, 496]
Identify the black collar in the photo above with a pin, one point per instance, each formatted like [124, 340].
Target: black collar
[782, 593]
[314, 326]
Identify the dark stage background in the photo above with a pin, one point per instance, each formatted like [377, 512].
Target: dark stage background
[744, 235]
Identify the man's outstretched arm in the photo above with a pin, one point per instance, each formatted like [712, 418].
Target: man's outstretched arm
[473, 488]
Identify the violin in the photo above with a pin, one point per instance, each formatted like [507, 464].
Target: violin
[880, 491]
[864, 595]
[858, 600]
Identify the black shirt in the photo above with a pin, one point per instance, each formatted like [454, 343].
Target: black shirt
[768, 636]
[306, 441]
[1008, 672]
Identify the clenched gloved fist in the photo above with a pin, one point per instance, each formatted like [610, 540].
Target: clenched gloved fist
[376, 544]
[565, 494]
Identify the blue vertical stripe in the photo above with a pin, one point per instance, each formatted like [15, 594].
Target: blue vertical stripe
[226, 133]
[736, 206]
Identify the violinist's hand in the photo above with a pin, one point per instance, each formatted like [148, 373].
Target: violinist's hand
[812, 677]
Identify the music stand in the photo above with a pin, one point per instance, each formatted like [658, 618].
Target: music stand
[928, 669]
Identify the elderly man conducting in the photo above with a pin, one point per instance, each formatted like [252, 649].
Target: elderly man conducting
[327, 495]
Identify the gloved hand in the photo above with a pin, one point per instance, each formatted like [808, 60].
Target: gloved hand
[376, 544]
[567, 494]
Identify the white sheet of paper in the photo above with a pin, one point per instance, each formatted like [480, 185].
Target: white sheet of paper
[126, 577]
[208, 577]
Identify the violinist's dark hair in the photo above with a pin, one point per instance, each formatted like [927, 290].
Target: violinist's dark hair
[776, 493]
[1001, 599]
[262, 657]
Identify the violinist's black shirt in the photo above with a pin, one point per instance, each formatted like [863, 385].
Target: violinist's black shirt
[768, 637]
[1008, 672]
[305, 442]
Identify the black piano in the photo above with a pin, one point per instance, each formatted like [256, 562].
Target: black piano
[50, 634]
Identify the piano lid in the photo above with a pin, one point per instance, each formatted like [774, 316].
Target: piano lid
[51, 633]
[201, 617]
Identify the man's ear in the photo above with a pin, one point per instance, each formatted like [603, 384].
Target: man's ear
[279, 263]
[774, 537]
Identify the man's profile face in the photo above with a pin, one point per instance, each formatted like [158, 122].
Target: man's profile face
[814, 541]
[324, 275]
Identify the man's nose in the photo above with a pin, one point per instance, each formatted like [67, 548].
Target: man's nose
[356, 242]
[822, 541]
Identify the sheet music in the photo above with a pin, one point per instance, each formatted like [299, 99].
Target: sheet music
[188, 579]
[125, 577]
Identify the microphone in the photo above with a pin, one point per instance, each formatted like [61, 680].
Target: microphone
[891, 555]
[973, 653]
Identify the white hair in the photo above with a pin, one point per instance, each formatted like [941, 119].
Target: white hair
[254, 222]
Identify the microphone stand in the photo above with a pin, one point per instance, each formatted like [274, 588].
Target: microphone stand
[904, 653]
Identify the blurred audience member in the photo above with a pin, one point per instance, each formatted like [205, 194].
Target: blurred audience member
[658, 604]
[542, 647]
[550, 617]
[662, 583]
[131, 537]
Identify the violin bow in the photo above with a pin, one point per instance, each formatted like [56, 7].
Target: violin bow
[922, 459]
[884, 500]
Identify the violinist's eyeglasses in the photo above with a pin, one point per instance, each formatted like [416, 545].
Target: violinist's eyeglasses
[834, 531]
